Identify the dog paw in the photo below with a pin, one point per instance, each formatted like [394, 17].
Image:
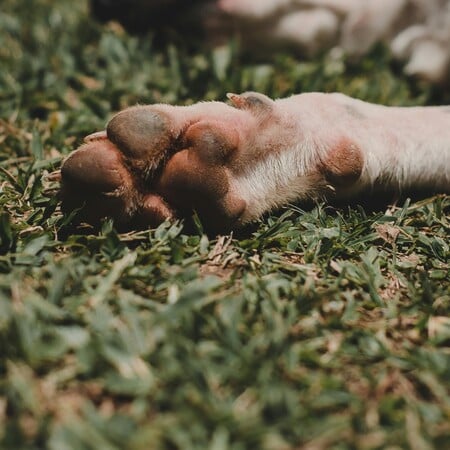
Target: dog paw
[155, 163]
[228, 163]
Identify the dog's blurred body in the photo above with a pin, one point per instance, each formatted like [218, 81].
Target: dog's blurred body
[417, 31]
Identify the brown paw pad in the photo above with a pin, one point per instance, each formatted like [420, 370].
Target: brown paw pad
[344, 163]
[142, 134]
[95, 179]
[95, 167]
[213, 142]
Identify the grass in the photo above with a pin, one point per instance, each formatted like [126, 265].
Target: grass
[325, 329]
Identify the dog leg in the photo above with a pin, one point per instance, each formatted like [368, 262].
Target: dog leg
[232, 163]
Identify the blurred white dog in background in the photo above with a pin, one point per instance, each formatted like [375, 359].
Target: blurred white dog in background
[416, 31]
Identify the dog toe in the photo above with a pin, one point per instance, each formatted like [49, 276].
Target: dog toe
[94, 179]
[143, 134]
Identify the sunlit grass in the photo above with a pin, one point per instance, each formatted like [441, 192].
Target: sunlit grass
[319, 329]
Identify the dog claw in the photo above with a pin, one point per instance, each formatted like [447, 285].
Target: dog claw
[54, 176]
[252, 101]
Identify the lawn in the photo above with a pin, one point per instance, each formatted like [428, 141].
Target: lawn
[316, 329]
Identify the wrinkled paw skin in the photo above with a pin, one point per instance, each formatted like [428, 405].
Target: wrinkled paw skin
[231, 163]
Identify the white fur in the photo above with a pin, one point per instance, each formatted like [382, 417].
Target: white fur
[402, 148]
[276, 180]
